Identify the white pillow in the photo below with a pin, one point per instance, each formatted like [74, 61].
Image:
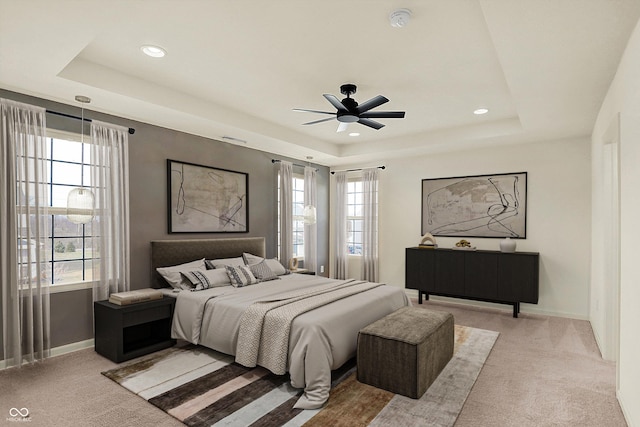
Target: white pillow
[175, 279]
[240, 276]
[251, 259]
[223, 262]
[275, 265]
[206, 279]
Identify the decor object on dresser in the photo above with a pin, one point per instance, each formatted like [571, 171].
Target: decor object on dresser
[508, 245]
[428, 241]
[123, 332]
[204, 199]
[405, 351]
[464, 244]
[492, 276]
[475, 206]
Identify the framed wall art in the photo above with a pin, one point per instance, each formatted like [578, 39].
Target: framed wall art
[476, 206]
[204, 199]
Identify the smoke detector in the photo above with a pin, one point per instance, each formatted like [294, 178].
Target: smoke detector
[400, 18]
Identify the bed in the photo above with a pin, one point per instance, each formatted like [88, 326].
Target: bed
[301, 324]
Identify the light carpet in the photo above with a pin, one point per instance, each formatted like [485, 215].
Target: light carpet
[199, 387]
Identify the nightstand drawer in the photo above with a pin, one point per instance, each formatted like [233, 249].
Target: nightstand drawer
[145, 316]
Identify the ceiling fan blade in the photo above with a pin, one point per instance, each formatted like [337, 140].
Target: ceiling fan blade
[371, 123]
[335, 102]
[383, 115]
[342, 127]
[372, 103]
[312, 111]
[319, 121]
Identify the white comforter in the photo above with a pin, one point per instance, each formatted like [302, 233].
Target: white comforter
[320, 340]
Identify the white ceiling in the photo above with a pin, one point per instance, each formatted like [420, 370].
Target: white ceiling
[238, 68]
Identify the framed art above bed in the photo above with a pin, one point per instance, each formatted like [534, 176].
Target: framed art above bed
[204, 199]
[476, 206]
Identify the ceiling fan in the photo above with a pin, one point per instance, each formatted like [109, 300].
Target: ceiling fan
[348, 110]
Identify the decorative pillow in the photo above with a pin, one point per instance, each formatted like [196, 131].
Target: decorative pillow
[223, 262]
[275, 266]
[240, 276]
[262, 271]
[175, 279]
[206, 279]
[251, 259]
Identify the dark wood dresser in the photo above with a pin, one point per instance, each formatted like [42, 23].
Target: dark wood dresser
[492, 276]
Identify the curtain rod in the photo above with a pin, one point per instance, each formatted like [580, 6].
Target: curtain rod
[355, 170]
[71, 116]
[294, 164]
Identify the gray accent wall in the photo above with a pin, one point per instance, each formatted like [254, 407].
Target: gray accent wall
[149, 149]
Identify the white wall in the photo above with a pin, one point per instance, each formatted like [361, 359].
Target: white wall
[558, 214]
[623, 101]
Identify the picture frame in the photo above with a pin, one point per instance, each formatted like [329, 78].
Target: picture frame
[206, 199]
[493, 206]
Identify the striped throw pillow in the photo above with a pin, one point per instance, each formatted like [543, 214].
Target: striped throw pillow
[205, 279]
[240, 276]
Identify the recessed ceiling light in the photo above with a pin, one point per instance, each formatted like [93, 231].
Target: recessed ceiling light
[480, 111]
[153, 51]
[354, 134]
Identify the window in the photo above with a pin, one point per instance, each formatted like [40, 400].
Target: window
[297, 211]
[354, 217]
[68, 247]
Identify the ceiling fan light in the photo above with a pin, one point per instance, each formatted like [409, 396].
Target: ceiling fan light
[348, 118]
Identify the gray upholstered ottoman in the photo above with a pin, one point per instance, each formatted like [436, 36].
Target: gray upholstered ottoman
[405, 351]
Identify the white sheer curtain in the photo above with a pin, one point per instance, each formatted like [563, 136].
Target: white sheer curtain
[340, 224]
[23, 234]
[370, 225]
[285, 171]
[310, 230]
[110, 184]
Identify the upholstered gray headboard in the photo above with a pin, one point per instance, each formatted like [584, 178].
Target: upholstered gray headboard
[165, 253]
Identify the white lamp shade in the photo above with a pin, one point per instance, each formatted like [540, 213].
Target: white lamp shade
[80, 202]
[309, 214]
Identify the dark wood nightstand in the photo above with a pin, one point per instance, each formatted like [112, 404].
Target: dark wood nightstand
[304, 271]
[123, 332]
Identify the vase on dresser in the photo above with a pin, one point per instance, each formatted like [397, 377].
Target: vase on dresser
[507, 245]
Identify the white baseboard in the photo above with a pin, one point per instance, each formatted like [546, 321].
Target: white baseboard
[624, 408]
[70, 348]
[524, 308]
[58, 351]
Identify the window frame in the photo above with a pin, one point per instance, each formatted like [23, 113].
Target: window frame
[352, 219]
[297, 219]
[54, 211]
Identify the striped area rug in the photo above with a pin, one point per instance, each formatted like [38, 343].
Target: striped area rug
[201, 387]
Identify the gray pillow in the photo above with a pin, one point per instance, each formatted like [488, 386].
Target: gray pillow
[262, 271]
